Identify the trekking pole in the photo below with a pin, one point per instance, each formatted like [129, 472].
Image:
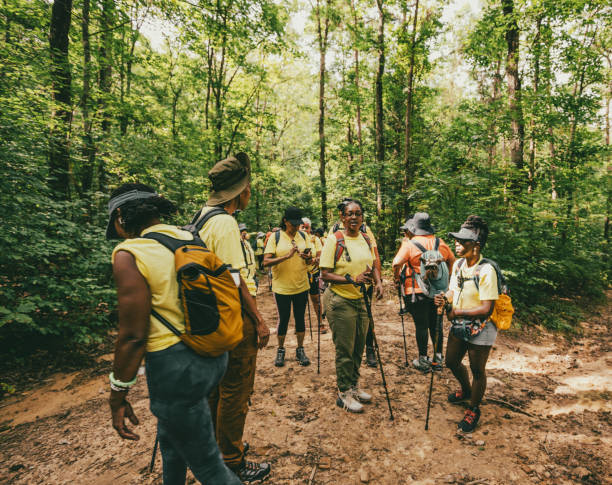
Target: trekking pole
[438, 330]
[154, 453]
[401, 312]
[376, 348]
[309, 318]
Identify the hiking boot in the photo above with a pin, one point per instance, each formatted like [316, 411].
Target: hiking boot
[300, 355]
[457, 397]
[360, 395]
[280, 357]
[250, 472]
[437, 362]
[371, 357]
[422, 363]
[245, 447]
[470, 420]
[347, 402]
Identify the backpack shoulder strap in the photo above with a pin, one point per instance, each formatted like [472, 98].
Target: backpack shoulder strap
[169, 242]
[335, 227]
[196, 217]
[277, 237]
[215, 211]
[436, 243]
[367, 239]
[363, 228]
[501, 281]
[303, 236]
[419, 246]
[340, 245]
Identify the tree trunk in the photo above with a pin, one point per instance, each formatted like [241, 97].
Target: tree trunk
[322, 34]
[408, 168]
[88, 152]
[495, 95]
[517, 123]
[357, 87]
[536, 88]
[105, 78]
[380, 137]
[61, 116]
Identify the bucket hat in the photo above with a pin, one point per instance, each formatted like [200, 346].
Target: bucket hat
[117, 202]
[229, 178]
[242, 227]
[293, 215]
[419, 224]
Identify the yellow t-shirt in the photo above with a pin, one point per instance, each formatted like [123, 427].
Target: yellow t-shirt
[260, 246]
[156, 264]
[361, 256]
[315, 243]
[222, 236]
[291, 276]
[367, 228]
[470, 297]
[248, 272]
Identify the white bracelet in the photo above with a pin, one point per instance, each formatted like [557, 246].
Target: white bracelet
[118, 389]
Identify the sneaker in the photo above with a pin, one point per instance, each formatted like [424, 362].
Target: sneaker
[280, 357]
[361, 396]
[437, 362]
[347, 402]
[300, 355]
[457, 397]
[250, 472]
[371, 357]
[470, 420]
[422, 363]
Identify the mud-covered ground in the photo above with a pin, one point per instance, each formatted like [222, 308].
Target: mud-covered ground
[547, 418]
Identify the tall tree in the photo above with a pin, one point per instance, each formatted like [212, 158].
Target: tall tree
[88, 152]
[61, 116]
[517, 123]
[322, 17]
[378, 101]
[408, 168]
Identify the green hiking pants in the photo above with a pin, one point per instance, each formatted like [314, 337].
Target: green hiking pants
[348, 320]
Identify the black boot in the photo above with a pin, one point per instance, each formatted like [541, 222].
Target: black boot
[371, 357]
[250, 472]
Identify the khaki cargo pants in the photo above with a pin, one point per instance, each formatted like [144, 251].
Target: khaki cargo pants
[229, 402]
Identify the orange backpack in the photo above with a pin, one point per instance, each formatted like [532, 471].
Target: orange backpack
[209, 297]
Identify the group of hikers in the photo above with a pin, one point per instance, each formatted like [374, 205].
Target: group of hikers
[187, 303]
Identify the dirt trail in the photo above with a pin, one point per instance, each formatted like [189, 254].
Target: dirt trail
[548, 419]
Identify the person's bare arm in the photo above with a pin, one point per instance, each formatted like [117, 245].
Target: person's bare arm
[270, 260]
[134, 299]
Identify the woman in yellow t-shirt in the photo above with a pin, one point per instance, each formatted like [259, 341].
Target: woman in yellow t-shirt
[179, 380]
[289, 253]
[472, 331]
[346, 311]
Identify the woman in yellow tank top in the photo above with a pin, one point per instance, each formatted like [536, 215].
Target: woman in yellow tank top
[178, 379]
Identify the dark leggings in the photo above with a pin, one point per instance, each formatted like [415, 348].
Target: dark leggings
[425, 315]
[283, 303]
[478, 355]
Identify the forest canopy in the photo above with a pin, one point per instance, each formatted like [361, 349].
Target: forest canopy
[499, 108]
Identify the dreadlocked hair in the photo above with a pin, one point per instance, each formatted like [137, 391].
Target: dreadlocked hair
[478, 225]
[137, 214]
